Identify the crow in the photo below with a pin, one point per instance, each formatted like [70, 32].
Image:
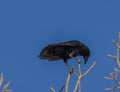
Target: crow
[64, 50]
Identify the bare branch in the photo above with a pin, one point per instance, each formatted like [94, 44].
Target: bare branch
[114, 42]
[80, 72]
[112, 89]
[115, 69]
[78, 82]
[82, 75]
[119, 37]
[62, 88]
[114, 74]
[52, 89]
[5, 87]
[89, 69]
[111, 56]
[108, 78]
[1, 79]
[68, 79]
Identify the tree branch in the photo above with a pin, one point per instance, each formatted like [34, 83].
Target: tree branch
[1, 79]
[89, 69]
[52, 89]
[68, 79]
[82, 75]
[5, 87]
[114, 74]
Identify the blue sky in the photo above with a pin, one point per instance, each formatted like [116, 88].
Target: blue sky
[26, 26]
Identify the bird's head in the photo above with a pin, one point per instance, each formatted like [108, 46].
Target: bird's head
[85, 59]
[86, 55]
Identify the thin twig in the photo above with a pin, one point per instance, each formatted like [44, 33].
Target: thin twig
[82, 75]
[89, 69]
[62, 88]
[108, 78]
[114, 75]
[52, 89]
[68, 79]
[112, 89]
[80, 72]
[1, 79]
[111, 56]
[5, 87]
[67, 82]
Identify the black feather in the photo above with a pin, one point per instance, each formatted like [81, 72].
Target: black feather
[58, 51]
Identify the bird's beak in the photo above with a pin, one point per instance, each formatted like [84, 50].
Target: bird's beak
[85, 59]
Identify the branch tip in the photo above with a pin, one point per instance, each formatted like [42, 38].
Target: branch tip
[52, 89]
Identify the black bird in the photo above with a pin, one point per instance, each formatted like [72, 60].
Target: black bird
[58, 51]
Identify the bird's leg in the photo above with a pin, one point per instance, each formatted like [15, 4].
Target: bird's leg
[71, 69]
[67, 65]
[71, 55]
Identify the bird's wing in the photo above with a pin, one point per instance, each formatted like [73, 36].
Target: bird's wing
[48, 53]
[70, 43]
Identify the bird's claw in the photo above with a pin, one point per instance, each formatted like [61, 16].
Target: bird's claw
[78, 61]
[71, 70]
